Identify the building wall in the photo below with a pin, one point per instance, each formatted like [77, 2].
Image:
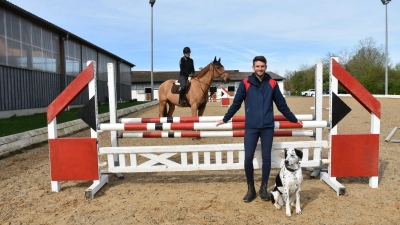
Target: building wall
[137, 90]
[37, 62]
[22, 89]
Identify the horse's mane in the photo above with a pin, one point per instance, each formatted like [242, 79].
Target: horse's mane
[207, 68]
[203, 71]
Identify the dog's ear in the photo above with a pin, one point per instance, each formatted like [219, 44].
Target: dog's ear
[285, 149]
[299, 153]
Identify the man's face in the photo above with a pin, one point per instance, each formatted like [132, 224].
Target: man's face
[259, 68]
[187, 54]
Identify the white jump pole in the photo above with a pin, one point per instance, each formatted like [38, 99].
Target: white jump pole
[52, 134]
[118, 159]
[318, 101]
[331, 181]
[103, 179]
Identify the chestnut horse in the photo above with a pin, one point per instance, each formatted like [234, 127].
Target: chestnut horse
[197, 95]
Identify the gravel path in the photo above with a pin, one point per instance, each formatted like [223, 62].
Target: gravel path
[202, 197]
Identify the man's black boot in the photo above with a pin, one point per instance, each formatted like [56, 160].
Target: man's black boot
[263, 192]
[251, 193]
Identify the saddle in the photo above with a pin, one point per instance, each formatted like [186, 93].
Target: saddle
[176, 86]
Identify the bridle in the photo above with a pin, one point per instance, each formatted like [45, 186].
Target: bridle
[219, 74]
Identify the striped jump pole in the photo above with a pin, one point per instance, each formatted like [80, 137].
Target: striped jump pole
[203, 126]
[202, 134]
[194, 119]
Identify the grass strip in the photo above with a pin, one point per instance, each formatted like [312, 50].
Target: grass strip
[19, 124]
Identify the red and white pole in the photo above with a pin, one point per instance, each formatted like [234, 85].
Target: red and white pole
[194, 119]
[204, 126]
[202, 134]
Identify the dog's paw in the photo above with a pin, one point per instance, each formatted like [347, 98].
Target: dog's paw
[298, 211]
[277, 206]
[288, 212]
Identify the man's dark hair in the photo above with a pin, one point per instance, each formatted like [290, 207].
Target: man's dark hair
[260, 58]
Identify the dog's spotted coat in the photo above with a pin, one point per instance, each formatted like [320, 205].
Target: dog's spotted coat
[288, 182]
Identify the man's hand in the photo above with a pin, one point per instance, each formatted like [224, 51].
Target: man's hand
[219, 122]
[300, 122]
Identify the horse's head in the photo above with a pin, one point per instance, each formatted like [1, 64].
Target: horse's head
[220, 71]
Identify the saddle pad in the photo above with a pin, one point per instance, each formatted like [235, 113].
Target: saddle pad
[175, 89]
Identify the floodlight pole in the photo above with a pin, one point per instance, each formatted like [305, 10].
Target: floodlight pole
[152, 2]
[386, 2]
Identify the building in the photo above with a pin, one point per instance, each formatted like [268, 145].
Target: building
[39, 59]
[141, 85]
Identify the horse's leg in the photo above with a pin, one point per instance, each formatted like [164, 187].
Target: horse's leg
[171, 109]
[201, 111]
[194, 109]
[162, 109]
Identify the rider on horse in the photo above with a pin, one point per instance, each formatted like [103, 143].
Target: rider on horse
[186, 69]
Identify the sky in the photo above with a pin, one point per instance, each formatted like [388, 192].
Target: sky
[288, 33]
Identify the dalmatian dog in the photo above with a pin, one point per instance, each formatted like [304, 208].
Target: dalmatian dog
[288, 182]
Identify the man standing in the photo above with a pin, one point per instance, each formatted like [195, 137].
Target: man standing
[186, 69]
[258, 91]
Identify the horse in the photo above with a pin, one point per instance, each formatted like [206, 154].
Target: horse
[197, 92]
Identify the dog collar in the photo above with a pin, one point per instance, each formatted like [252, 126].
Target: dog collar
[291, 170]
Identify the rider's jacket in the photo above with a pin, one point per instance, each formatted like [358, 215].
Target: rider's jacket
[186, 66]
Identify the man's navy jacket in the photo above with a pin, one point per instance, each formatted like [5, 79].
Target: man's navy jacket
[258, 98]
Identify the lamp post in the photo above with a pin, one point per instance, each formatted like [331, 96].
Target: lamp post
[152, 2]
[386, 2]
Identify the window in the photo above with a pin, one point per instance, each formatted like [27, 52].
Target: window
[72, 58]
[87, 55]
[25, 45]
[125, 73]
[102, 65]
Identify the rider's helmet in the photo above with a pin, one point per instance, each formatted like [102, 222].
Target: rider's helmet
[186, 50]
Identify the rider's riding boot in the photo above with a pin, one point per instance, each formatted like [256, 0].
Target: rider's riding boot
[263, 192]
[251, 193]
[182, 97]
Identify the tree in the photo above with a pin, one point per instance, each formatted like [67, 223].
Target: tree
[366, 62]
[287, 85]
[367, 65]
[304, 79]
[394, 79]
